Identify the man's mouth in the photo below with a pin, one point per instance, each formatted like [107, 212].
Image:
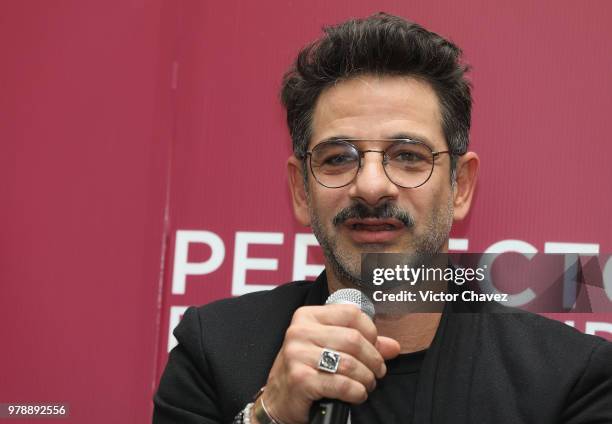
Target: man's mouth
[373, 230]
[365, 227]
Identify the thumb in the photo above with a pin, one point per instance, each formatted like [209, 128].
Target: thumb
[389, 348]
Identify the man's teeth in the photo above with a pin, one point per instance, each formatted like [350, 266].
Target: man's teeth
[379, 227]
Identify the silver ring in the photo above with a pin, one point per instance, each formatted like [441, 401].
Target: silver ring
[329, 361]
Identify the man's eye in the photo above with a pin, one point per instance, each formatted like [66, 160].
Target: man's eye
[337, 160]
[409, 157]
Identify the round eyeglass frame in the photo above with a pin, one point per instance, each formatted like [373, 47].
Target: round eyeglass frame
[348, 141]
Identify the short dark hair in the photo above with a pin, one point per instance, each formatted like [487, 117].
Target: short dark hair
[381, 44]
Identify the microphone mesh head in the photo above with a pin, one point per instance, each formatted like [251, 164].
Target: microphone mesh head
[352, 297]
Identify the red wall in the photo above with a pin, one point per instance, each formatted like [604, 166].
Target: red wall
[84, 133]
[123, 122]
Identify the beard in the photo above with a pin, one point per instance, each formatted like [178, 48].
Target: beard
[345, 261]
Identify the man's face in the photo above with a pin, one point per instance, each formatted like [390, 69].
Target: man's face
[372, 214]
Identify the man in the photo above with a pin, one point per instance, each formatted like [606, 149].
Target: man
[379, 114]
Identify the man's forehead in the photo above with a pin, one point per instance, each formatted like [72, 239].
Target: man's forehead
[378, 107]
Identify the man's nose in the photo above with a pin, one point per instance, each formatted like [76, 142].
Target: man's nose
[371, 185]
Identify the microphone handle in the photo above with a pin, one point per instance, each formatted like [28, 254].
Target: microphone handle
[328, 411]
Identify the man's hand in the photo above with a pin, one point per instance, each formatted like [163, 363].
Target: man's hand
[295, 382]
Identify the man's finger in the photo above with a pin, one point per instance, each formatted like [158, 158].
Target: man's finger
[349, 316]
[389, 348]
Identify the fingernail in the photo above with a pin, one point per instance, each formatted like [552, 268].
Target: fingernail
[383, 369]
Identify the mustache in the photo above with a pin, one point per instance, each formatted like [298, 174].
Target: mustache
[383, 211]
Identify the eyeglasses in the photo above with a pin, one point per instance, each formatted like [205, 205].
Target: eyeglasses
[407, 163]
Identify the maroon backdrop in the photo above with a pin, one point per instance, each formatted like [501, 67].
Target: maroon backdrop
[143, 154]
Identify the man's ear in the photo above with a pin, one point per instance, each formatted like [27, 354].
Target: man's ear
[467, 172]
[298, 191]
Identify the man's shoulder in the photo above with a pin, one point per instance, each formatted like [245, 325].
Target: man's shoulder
[521, 323]
[542, 355]
[259, 316]
[542, 342]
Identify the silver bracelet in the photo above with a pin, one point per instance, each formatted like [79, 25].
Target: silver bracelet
[246, 414]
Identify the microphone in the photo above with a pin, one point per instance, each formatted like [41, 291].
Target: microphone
[329, 411]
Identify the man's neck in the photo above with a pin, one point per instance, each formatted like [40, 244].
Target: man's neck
[414, 332]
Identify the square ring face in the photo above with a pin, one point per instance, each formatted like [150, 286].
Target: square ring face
[330, 360]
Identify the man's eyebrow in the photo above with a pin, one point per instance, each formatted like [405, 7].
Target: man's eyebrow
[413, 136]
[339, 137]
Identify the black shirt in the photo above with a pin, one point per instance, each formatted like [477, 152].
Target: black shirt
[392, 402]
